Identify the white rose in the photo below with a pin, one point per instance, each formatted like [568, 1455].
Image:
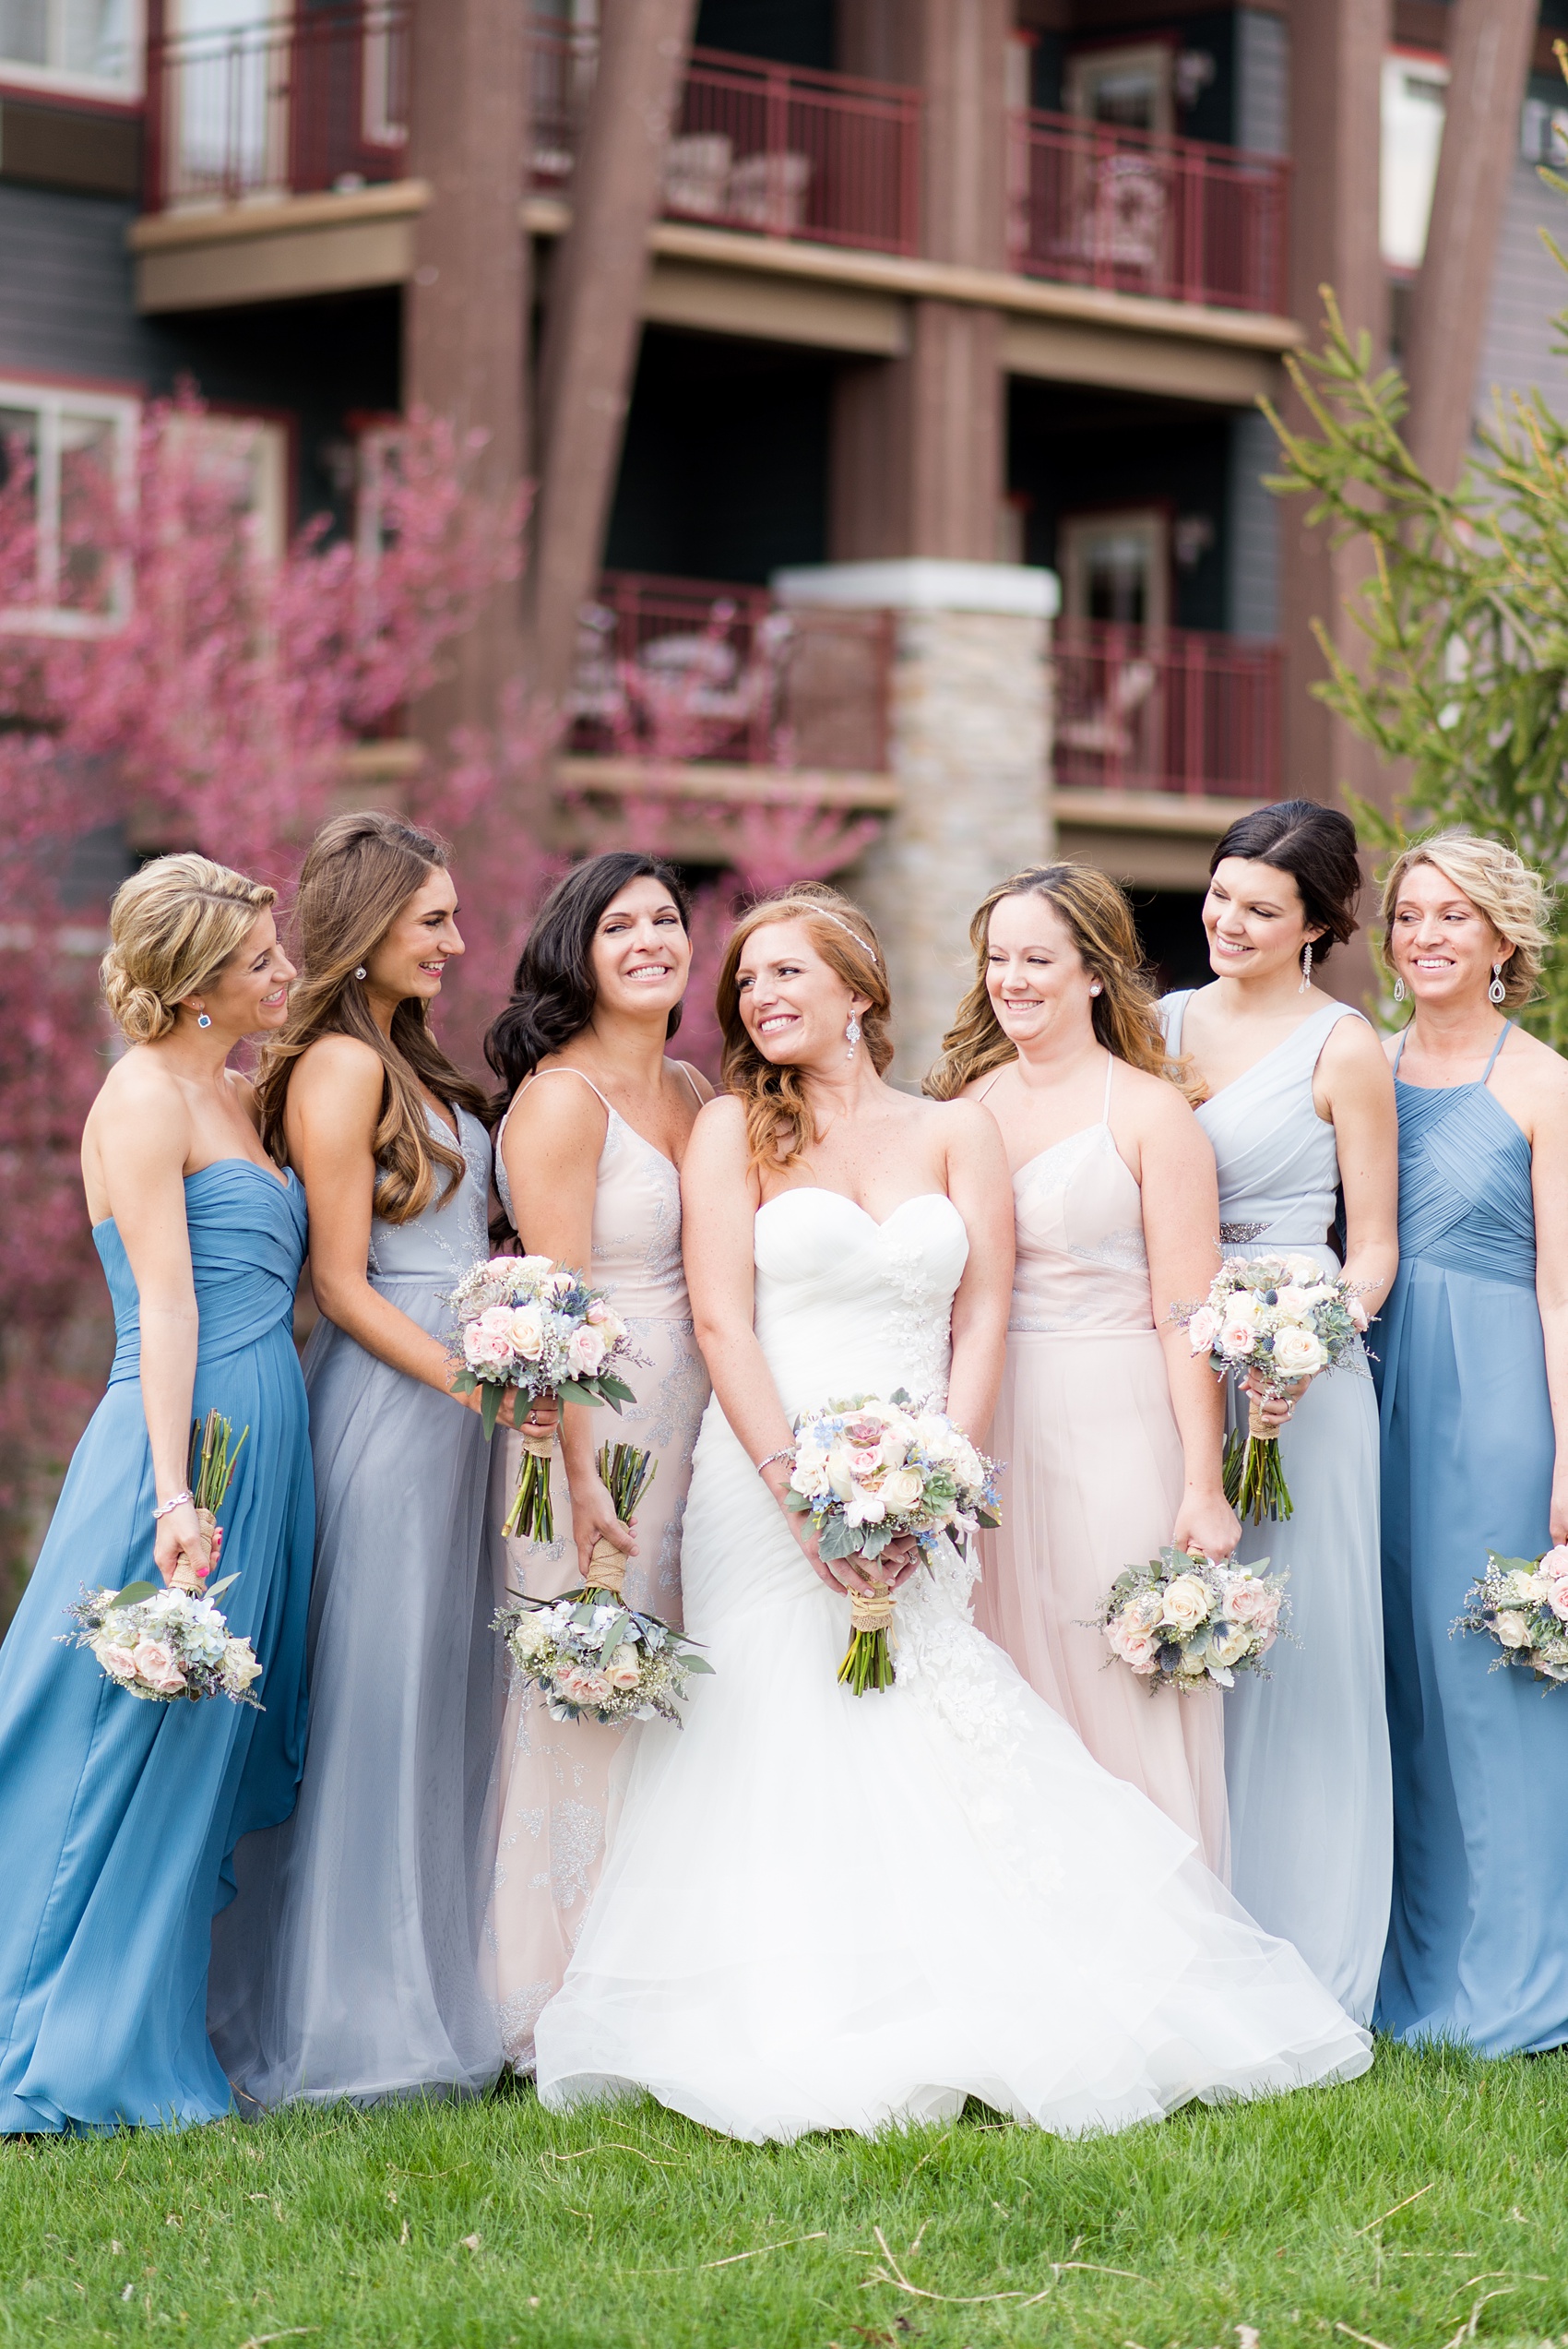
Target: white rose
[525, 1330]
[1297, 1353]
[1187, 1603]
[903, 1487]
[864, 1508]
[1511, 1629]
[1231, 1646]
[1526, 1589]
[1238, 1331]
[528, 1636]
[1303, 1269]
[1293, 1305]
[840, 1475]
[625, 1669]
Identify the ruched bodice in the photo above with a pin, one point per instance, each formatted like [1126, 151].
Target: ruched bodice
[637, 1223]
[247, 1242]
[848, 1306]
[1278, 1165]
[1464, 1197]
[1081, 1261]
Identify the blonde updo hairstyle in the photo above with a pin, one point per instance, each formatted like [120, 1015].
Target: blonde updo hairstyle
[1126, 1013]
[1498, 883]
[780, 1127]
[172, 928]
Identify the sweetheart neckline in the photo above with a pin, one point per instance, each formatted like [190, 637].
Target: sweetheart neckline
[287, 1185]
[821, 1190]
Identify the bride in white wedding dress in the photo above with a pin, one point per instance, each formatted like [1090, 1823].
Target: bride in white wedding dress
[820, 1911]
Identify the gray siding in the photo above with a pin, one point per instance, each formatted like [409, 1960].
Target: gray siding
[66, 305]
[1263, 82]
[1251, 547]
[1528, 289]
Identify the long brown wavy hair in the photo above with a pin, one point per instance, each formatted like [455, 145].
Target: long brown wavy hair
[1126, 1020]
[781, 1128]
[361, 872]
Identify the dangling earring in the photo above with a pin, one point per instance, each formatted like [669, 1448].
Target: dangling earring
[852, 1035]
[1306, 968]
[1398, 990]
[1496, 991]
[360, 972]
[202, 1019]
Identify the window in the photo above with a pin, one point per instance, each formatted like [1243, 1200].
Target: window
[1415, 96]
[1127, 88]
[245, 457]
[1117, 567]
[67, 451]
[90, 45]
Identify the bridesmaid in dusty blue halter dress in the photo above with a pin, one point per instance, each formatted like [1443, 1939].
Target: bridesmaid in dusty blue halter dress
[1471, 1343]
[118, 1817]
[1306, 1751]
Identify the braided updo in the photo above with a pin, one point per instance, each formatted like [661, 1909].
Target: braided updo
[171, 928]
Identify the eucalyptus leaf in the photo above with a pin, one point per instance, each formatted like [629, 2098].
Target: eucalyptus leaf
[489, 1403]
[134, 1593]
[213, 1588]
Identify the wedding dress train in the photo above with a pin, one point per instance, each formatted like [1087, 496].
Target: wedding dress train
[826, 1912]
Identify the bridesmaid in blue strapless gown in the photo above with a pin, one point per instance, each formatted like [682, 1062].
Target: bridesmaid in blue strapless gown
[1478, 1946]
[119, 1815]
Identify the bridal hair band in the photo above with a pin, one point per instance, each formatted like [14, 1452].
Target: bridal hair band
[808, 905]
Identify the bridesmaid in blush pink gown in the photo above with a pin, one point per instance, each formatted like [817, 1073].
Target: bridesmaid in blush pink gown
[586, 1165]
[1109, 1434]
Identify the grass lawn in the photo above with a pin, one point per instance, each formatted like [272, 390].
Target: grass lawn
[497, 2223]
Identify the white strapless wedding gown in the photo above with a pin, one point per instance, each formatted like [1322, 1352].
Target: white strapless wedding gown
[820, 1910]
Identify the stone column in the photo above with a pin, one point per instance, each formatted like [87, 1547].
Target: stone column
[970, 726]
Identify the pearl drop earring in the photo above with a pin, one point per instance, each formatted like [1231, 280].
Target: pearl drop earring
[852, 1035]
[360, 972]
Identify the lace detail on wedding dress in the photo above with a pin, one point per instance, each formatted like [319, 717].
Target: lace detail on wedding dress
[920, 1323]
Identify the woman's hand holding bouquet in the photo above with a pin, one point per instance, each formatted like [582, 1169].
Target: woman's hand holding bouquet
[527, 1325]
[869, 1477]
[1276, 1321]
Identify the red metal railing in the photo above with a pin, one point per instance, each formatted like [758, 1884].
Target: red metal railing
[310, 103]
[777, 150]
[1127, 210]
[691, 669]
[1169, 709]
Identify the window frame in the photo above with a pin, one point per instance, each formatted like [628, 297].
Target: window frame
[127, 91]
[51, 401]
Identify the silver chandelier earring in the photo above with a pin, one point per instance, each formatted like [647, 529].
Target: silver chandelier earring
[1306, 968]
[1398, 990]
[1497, 991]
[852, 1035]
[360, 972]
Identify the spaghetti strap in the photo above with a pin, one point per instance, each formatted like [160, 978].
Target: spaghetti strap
[1399, 1048]
[565, 1069]
[693, 1082]
[995, 1080]
[1497, 1048]
[1110, 1072]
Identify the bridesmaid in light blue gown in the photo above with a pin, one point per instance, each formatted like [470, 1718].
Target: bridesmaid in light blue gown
[1300, 1103]
[118, 1816]
[347, 1968]
[1471, 1345]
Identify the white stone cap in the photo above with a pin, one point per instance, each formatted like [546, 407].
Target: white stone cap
[923, 583]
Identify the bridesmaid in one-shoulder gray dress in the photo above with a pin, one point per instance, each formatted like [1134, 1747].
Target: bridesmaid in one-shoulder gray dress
[347, 1968]
[1306, 1752]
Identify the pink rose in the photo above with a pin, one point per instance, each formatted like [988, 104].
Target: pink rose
[156, 1665]
[486, 1349]
[627, 1670]
[586, 1349]
[1357, 1311]
[1557, 1600]
[1202, 1329]
[119, 1661]
[1554, 1566]
[1250, 1601]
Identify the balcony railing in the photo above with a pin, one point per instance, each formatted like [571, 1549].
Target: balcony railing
[693, 670]
[1170, 709]
[310, 103]
[775, 150]
[1132, 212]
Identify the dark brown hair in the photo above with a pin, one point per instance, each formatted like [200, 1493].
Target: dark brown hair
[361, 872]
[1317, 846]
[781, 1128]
[1125, 1014]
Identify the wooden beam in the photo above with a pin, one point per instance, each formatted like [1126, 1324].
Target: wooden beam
[593, 319]
[1489, 47]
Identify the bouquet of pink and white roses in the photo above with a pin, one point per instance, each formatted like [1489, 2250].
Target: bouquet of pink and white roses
[1284, 1317]
[1185, 1621]
[165, 1643]
[865, 1471]
[1523, 1604]
[590, 1652]
[525, 1322]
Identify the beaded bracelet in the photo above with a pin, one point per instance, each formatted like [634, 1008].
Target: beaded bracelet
[787, 1452]
[176, 1501]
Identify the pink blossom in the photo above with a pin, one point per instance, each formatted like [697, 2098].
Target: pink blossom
[1357, 1310]
[486, 1349]
[1555, 1563]
[155, 1663]
[1557, 1600]
[119, 1661]
[1247, 1601]
[1202, 1329]
[586, 1349]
